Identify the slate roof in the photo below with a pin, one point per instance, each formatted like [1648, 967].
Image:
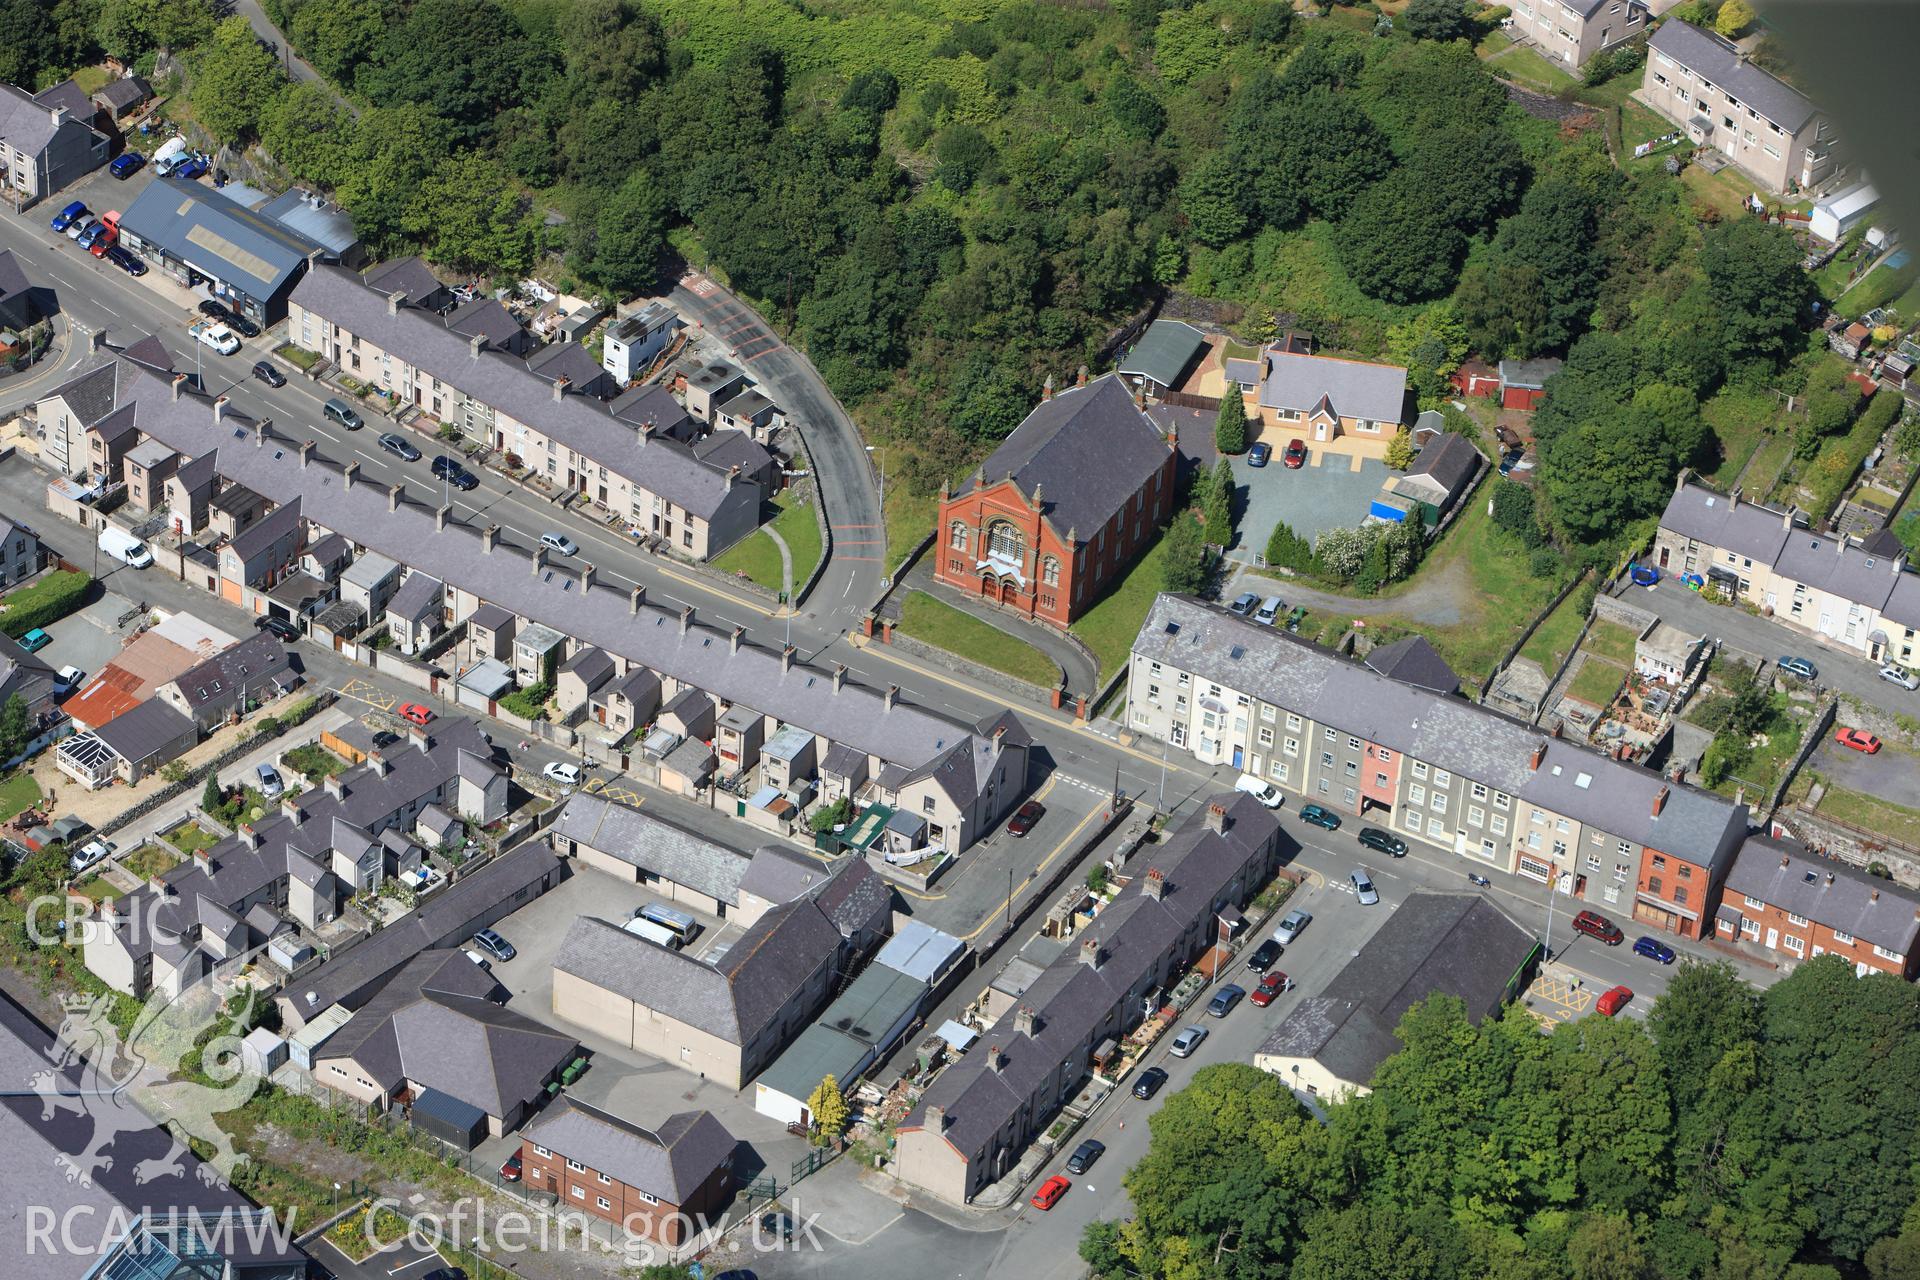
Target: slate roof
[1783, 874]
[1355, 388]
[855, 897]
[484, 317]
[1454, 944]
[25, 123]
[194, 223]
[490, 617]
[417, 597]
[139, 734]
[1529, 375]
[1164, 353]
[13, 281]
[780, 875]
[664, 467]
[591, 665]
[651, 403]
[670, 1163]
[1416, 662]
[1450, 460]
[1713, 58]
[368, 570]
[1448, 733]
[438, 1023]
[264, 534]
[662, 848]
[409, 275]
[1089, 449]
[93, 393]
[1729, 523]
[1838, 565]
[567, 360]
[1070, 998]
[701, 655]
[730, 448]
[256, 663]
[124, 94]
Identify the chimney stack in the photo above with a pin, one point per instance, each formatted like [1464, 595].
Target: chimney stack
[994, 1060]
[1046, 389]
[440, 519]
[786, 659]
[1558, 727]
[635, 599]
[1829, 879]
[1080, 379]
[58, 116]
[733, 641]
[417, 734]
[1090, 952]
[538, 561]
[350, 474]
[559, 389]
[1660, 799]
[586, 578]
[290, 810]
[1023, 1020]
[489, 536]
[179, 379]
[334, 787]
[394, 300]
[1539, 754]
[394, 495]
[935, 1118]
[203, 859]
[1874, 896]
[686, 619]
[1153, 884]
[219, 409]
[476, 344]
[378, 763]
[891, 696]
[1216, 818]
[1786, 860]
[733, 476]
[306, 451]
[248, 836]
[839, 675]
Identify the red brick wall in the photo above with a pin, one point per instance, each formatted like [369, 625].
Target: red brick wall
[626, 1208]
[1813, 933]
[1670, 879]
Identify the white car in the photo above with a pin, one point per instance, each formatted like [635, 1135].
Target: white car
[567, 775]
[1900, 676]
[91, 852]
[68, 679]
[217, 336]
[1363, 887]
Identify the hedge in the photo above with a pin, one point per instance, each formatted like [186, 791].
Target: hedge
[44, 600]
[1840, 461]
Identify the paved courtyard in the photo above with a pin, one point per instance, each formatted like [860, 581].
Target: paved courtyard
[1325, 494]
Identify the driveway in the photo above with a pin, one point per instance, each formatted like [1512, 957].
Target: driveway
[1325, 494]
[1889, 773]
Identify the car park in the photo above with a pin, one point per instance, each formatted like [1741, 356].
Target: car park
[1263, 956]
[78, 227]
[1149, 1083]
[567, 775]
[1613, 1001]
[1653, 949]
[1023, 820]
[270, 783]
[1797, 667]
[1244, 604]
[1859, 739]
[1085, 1154]
[1187, 1041]
[560, 543]
[1296, 455]
[1900, 676]
[91, 236]
[399, 446]
[265, 372]
[494, 945]
[1271, 988]
[343, 413]
[1259, 454]
[1383, 842]
[1269, 611]
[126, 164]
[35, 640]
[108, 237]
[1293, 926]
[1363, 887]
[1224, 999]
[127, 260]
[277, 626]
[415, 712]
[1314, 815]
[1598, 927]
[1050, 1192]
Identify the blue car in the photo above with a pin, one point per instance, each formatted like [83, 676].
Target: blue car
[65, 218]
[1259, 454]
[127, 164]
[193, 168]
[91, 234]
[1653, 949]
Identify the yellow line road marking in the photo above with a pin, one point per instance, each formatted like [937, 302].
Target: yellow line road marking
[1006, 904]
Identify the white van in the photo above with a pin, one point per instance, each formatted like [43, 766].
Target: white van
[643, 928]
[1265, 792]
[126, 548]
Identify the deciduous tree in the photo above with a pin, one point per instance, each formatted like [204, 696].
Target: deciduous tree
[235, 82]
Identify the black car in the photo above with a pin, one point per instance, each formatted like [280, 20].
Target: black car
[127, 260]
[1085, 1154]
[1384, 841]
[264, 370]
[399, 447]
[450, 470]
[1263, 956]
[1149, 1082]
[216, 311]
[277, 626]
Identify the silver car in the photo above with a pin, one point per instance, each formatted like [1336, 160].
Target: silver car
[1187, 1041]
[560, 543]
[1900, 676]
[1363, 887]
[1292, 927]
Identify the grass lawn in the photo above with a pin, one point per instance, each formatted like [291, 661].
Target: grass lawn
[1553, 640]
[1526, 66]
[908, 518]
[1111, 625]
[758, 558]
[1908, 303]
[1597, 681]
[1611, 641]
[1869, 813]
[190, 837]
[150, 860]
[1497, 593]
[797, 526]
[940, 624]
[313, 761]
[1354, 19]
[1493, 42]
[1880, 286]
[98, 889]
[91, 80]
[1741, 420]
[1769, 466]
[18, 793]
[299, 357]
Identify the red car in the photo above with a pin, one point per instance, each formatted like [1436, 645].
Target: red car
[1296, 455]
[1271, 988]
[415, 712]
[1598, 927]
[510, 1171]
[1858, 739]
[1050, 1192]
[108, 237]
[1022, 822]
[1612, 1002]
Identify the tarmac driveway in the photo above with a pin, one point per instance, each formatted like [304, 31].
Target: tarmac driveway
[1324, 494]
[1889, 773]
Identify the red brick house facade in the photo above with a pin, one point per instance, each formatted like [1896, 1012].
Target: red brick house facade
[1062, 507]
[657, 1184]
[1795, 906]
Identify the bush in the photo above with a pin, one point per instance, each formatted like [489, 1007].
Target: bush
[46, 599]
[1288, 550]
[1544, 564]
[529, 703]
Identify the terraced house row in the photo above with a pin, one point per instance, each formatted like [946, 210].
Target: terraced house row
[955, 779]
[1400, 752]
